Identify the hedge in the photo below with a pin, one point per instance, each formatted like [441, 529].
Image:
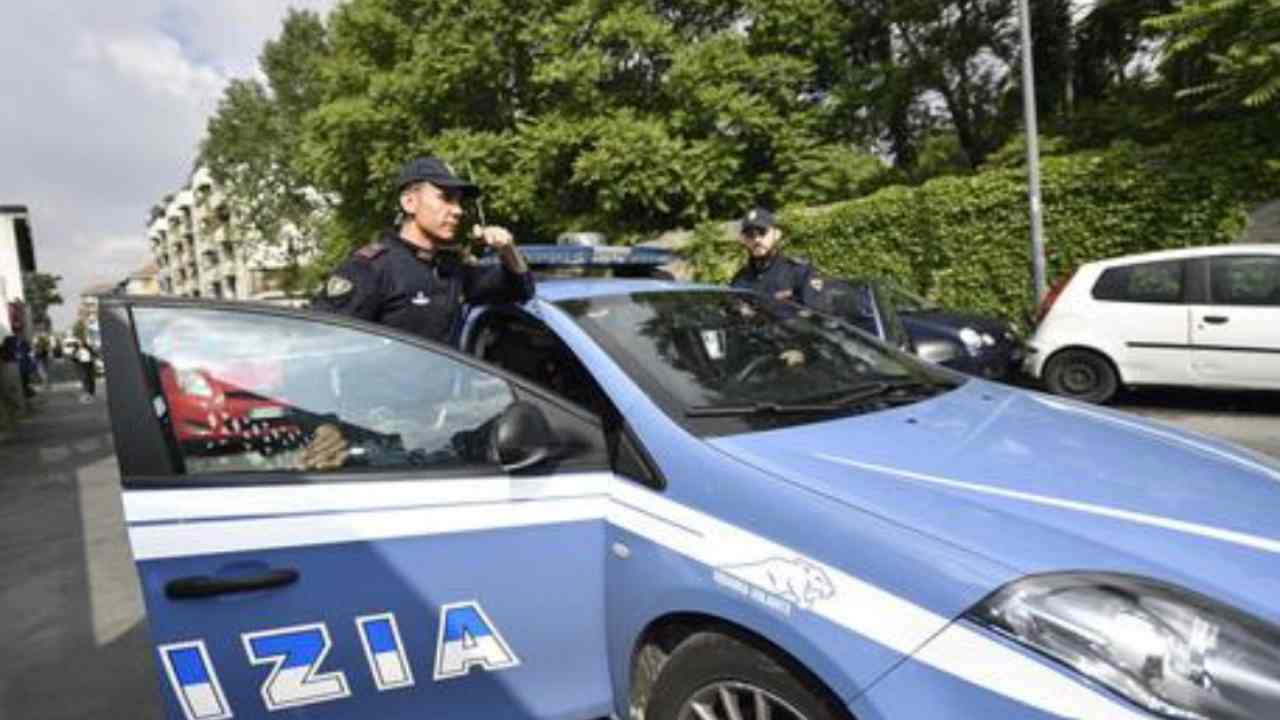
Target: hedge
[964, 241]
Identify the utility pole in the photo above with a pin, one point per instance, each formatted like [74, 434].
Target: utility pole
[1033, 154]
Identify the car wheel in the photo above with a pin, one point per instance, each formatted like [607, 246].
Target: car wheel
[712, 676]
[1081, 375]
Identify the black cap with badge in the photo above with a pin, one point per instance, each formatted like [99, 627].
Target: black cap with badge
[437, 172]
[759, 218]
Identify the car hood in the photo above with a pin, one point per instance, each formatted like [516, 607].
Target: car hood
[1039, 484]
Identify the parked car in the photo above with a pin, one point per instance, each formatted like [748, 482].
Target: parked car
[1201, 317]
[637, 498]
[971, 343]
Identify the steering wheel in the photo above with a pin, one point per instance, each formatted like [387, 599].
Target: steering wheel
[754, 367]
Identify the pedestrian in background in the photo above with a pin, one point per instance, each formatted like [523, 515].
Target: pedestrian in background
[83, 357]
[42, 360]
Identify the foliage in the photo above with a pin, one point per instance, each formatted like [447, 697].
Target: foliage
[252, 146]
[41, 290]
[629, 117]
[963, 241]
[1240, 39]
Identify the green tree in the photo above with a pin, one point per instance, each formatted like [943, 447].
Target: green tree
[41, 291]
[1239, 43]
[627, 117]
[252, 145]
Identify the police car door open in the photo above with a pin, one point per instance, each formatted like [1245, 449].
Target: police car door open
[320, 527]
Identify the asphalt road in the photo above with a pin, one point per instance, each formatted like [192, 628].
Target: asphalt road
[74, 638]
[1251, 419]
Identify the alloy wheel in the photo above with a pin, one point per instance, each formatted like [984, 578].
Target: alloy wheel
[733, 700]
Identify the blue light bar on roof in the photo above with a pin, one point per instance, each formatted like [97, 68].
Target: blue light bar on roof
[544, 256]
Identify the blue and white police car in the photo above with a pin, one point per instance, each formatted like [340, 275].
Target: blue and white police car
[645, 499]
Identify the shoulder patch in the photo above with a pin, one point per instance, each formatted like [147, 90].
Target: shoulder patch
[338, 286]
[815, 282]
[370, 251]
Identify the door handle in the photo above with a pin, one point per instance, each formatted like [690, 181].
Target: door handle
[1216, 319]
[202, 586]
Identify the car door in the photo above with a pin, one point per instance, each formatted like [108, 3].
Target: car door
[1235, 336]
[323, 527]
[1140, 314]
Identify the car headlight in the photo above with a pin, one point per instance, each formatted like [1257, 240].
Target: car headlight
[1169, 650]
[971, 338]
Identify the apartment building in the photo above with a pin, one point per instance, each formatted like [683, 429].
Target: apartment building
[17, 258]
[200, 248]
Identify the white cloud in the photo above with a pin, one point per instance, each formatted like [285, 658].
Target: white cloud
[104, 106]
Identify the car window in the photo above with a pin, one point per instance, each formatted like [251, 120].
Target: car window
[1157, 282]
[1245, 280]
[526, 347]
[704, 348]
[248, 392]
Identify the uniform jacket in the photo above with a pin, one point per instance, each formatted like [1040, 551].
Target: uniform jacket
[781, 278]
[394, 283]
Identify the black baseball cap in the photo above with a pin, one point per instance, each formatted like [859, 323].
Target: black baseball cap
[435, 171]
[759, 218]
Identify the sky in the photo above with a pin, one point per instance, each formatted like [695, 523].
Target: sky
[104, 108]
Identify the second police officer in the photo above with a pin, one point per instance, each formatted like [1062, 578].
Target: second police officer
[768, 271]
[418, 276]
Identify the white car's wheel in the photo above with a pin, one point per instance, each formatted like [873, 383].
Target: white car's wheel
[1081, 375]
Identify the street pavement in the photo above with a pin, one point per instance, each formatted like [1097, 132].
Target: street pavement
[75, 641]
[1251, 419]
[74, 638]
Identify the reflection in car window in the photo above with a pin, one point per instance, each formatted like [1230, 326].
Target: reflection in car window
[247, 392]
[1156, 282]
[707, 348]
[1245, 280]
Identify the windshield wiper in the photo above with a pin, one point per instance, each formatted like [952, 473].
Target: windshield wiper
[842, 401]
[863, 396]
[888, 391]
[761, 408]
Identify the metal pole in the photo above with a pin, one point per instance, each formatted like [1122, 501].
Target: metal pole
[1033, 154]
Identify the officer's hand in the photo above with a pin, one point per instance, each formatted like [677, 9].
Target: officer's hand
[792, 358]
[494, 236]
[499, 238]
[326, 451]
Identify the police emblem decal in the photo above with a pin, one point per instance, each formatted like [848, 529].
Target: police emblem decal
[338, 286]
[420, 299]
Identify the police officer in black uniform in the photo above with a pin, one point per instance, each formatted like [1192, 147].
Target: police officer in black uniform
[768, 271]
[418, 276]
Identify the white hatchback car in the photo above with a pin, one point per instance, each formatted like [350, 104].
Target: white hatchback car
[1204, 317]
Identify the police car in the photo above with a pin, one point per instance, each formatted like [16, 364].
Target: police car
[646, 499]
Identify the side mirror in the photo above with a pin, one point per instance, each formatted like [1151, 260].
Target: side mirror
[522, 438]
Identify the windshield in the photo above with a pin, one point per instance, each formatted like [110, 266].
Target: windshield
[708, 349]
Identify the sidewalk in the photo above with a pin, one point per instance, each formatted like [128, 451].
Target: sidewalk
[74, 636]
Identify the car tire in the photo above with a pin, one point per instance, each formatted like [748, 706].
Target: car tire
[710, 668]
[1081, 375]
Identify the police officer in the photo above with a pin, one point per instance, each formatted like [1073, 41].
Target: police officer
[418, 276]
[768, 271]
